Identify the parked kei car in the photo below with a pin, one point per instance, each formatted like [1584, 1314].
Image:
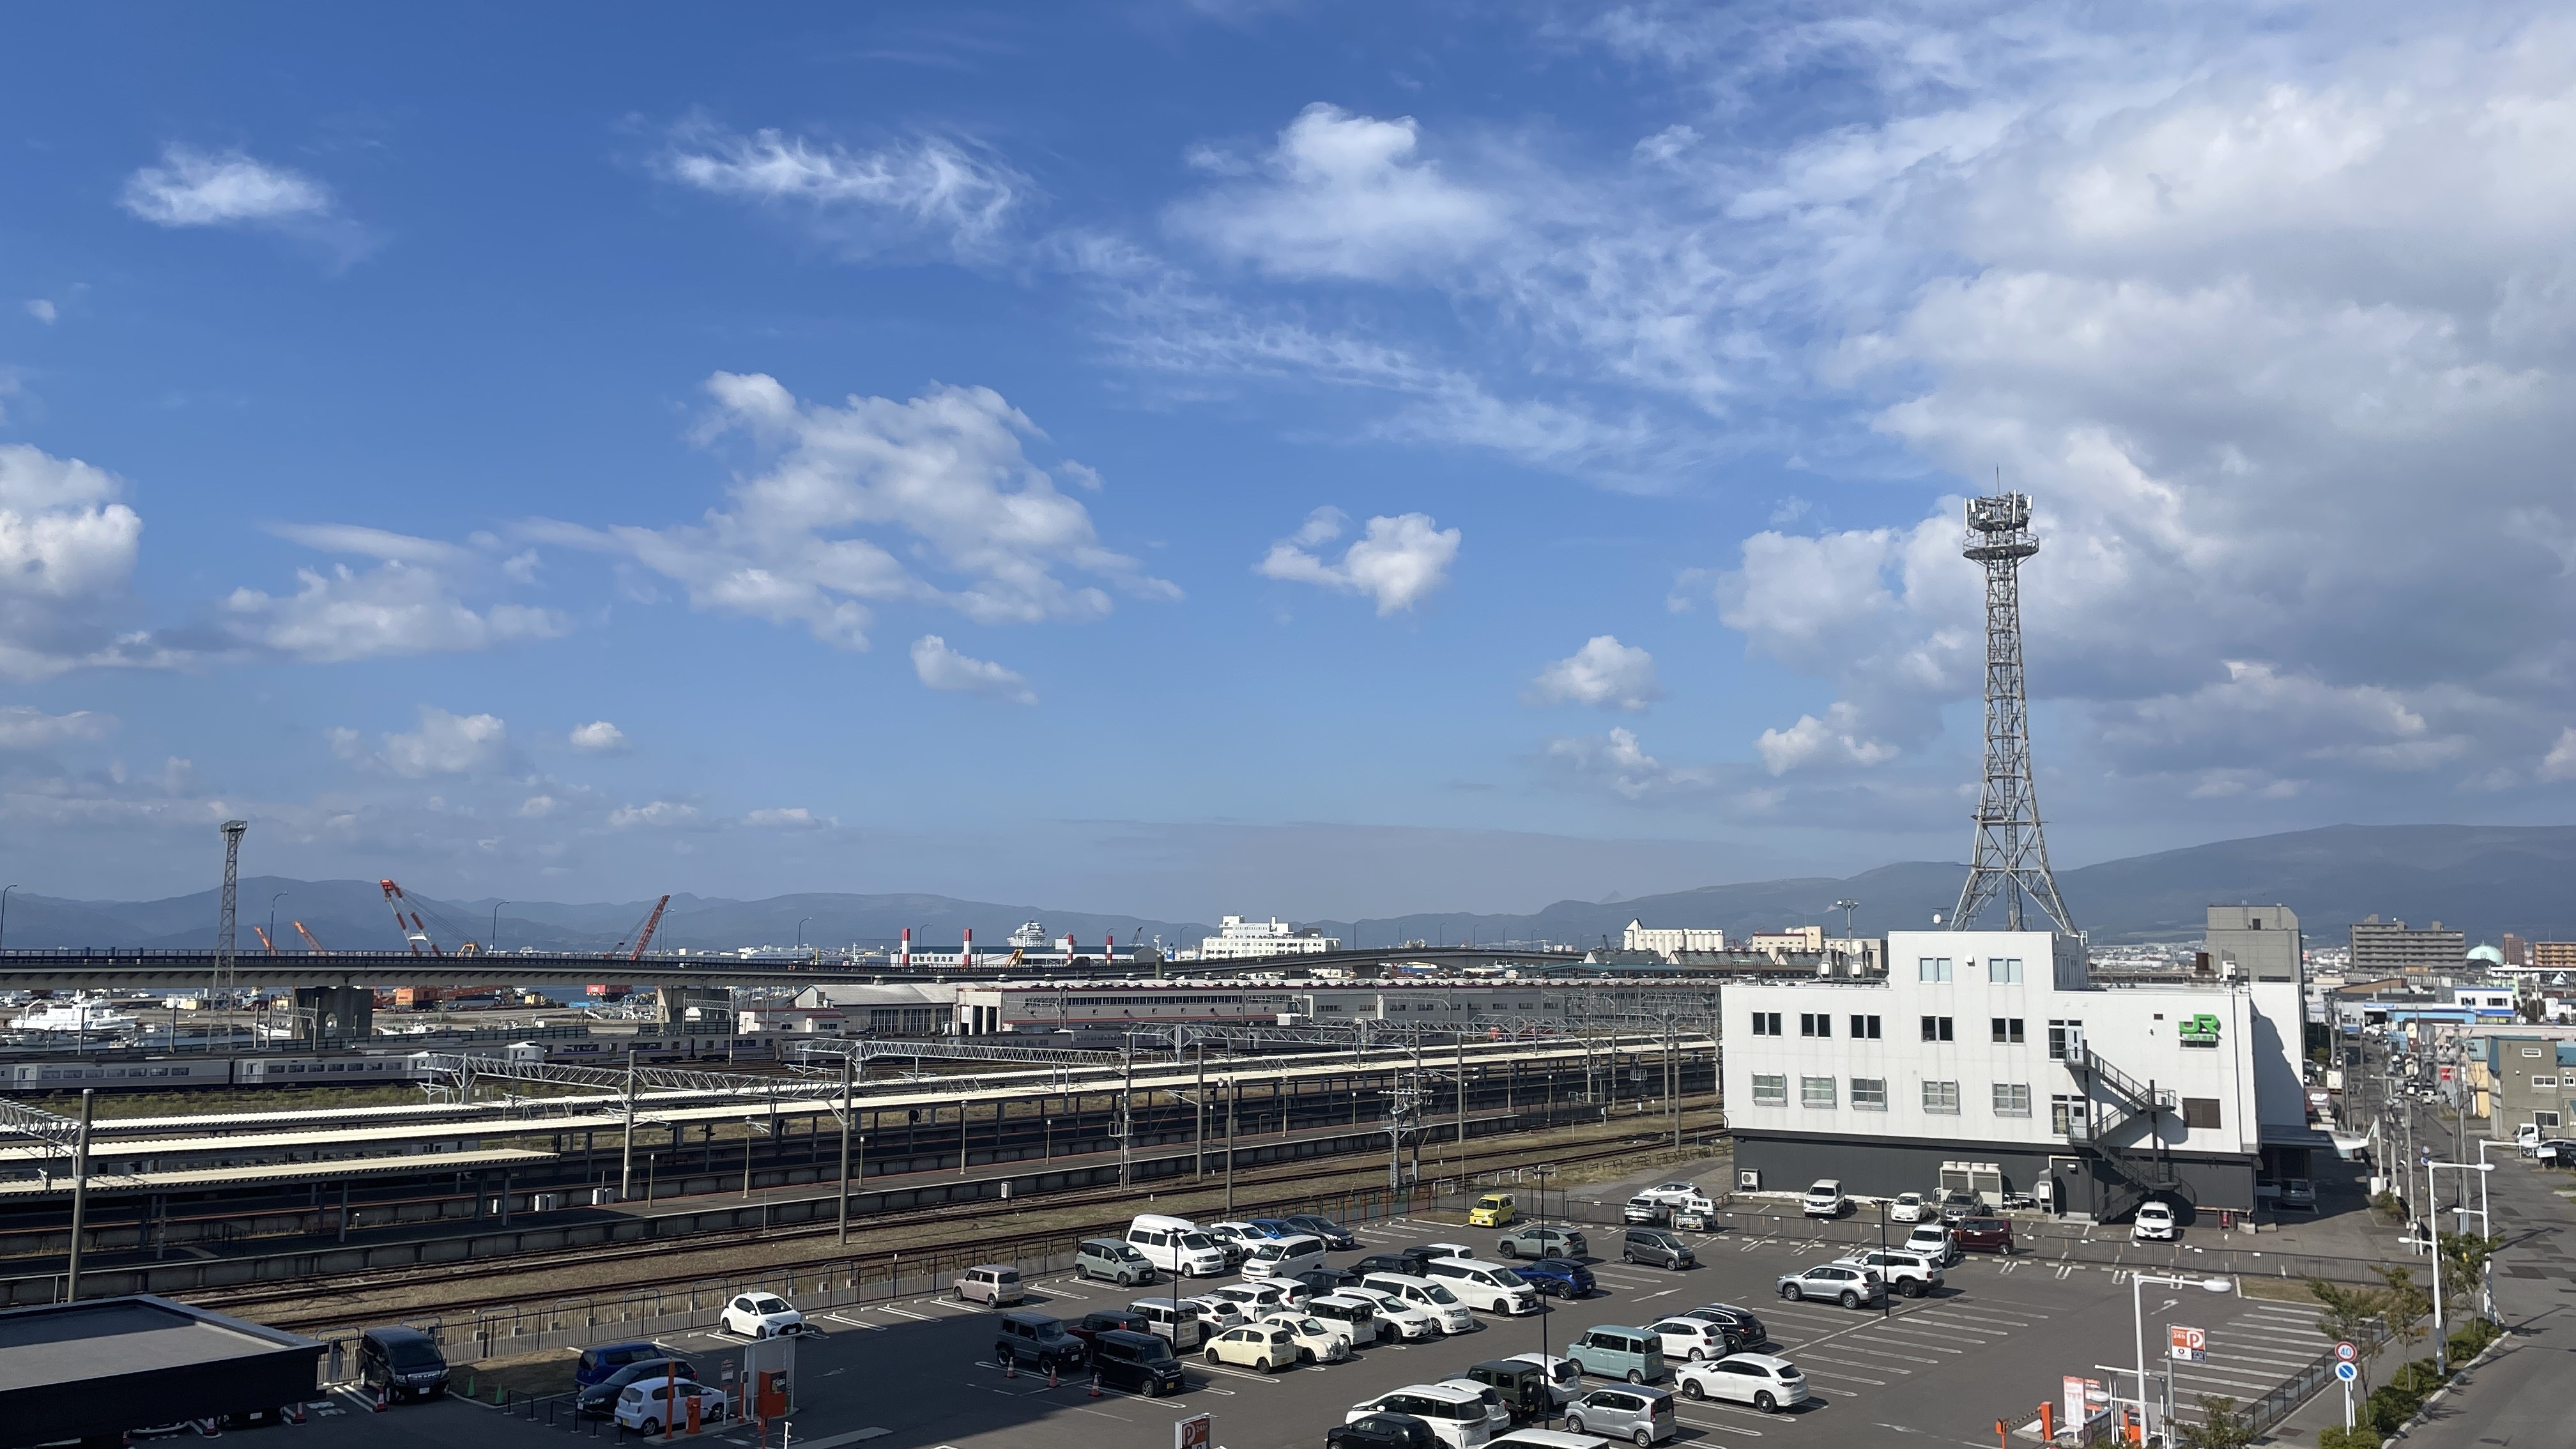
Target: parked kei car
[1616, 1351]
[994, 1285]
[1658, 1247]
[1643, 1210]
[1263, 1347]
[1767, 1383]
[1985, 1235]
[1641, 1416]
[600, 1399]
[1908, 1207]
[648, 1405]
[1136, 1363]
[1543, 1240]
[1835, 1282]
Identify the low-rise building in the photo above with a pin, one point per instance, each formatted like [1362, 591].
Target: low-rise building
[1991, 1058]
[1238, 939]
[2532, 1078]
[1669, 942]
[1798, 940]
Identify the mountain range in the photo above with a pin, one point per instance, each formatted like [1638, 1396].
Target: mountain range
[2486, 880]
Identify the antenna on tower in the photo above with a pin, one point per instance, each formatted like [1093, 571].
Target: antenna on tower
[2011, 857]
[224, 958]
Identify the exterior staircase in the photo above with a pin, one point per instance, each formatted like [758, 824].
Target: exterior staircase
[2133, 1162]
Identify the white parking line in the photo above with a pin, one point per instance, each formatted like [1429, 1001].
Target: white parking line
[1885, 1368]
[1731, 1428]
[1853, 1345]
[899, 1313]
[1817, 1373]
[856, 1322]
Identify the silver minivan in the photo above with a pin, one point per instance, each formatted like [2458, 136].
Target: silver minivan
[1176, 1324]
[1111, 1259]
[1640, 1416]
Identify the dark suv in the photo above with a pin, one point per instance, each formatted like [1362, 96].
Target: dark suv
[1558, 1277]
[1658, 1247]
[1741, 1328]
[1409, 1262]
[1986, 1235]
[1095, 1324]
[404, 1362]
[1136, 1363]
[1037, 1338]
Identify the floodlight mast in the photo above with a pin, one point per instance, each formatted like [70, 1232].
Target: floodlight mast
[2010, 861]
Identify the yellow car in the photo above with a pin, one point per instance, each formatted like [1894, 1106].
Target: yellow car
[1493, 1210]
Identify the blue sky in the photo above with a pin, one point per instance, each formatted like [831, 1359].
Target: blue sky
[1315, 458]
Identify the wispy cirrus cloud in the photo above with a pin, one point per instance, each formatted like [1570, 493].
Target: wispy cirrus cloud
[920, 190]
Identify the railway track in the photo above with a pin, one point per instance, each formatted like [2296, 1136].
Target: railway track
[351, 1297]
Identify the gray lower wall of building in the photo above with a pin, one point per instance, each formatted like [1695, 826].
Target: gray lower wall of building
[1886, 1166]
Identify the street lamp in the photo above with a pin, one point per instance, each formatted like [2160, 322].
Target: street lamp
[800, 931]
[492, 941]
[272, 919]
[2138, 1306]
[4, 909]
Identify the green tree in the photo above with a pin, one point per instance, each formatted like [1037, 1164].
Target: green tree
[2404, 1305]
[2220, 1426]
[2348, 1316]
[2464, 1264]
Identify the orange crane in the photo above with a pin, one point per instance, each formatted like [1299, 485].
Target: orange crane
[308, 936]
[643, 937]
[263, 940]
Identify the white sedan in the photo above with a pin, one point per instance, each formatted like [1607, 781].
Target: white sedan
[1767, 1383]
[762, 1315]
[1318, 1341]
[1670, 1192]
[1264, 1347]
[1265, 1297]
[1909, 1207]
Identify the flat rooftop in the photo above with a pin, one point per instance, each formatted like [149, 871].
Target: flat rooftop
[71, 1342]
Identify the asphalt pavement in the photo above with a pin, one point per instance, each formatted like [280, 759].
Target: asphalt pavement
[1993, 1343]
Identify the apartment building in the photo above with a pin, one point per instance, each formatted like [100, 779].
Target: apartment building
[2383, 947]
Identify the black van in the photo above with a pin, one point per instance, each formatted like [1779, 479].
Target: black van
[1520, 1384]
[404, 1362]
[1137, 1363]
[1658, 1247]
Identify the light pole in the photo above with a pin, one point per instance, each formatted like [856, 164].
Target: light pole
[272, 918]
[492, 941]
[800, 931]
[2138, 1306]
[4, 909]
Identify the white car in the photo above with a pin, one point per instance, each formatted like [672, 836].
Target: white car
[1318, 1340]
[1264, 1347]
[1670, 1192]
[1458, 1418]
[1824, 1200]
[1276, 1295]
[1217, 1313]
[1411, 1321]
[1767, 1383]
[1564, 1376]
[2155, 1223]
[762, 1315]
[1235, 1240]
[1690, 1338]
[648, 1405]
[1449, 1250]
[1909, 1207]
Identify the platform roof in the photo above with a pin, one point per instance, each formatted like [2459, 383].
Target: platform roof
[197, 1179]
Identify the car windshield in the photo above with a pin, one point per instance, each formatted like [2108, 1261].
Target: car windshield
[407, 1354]
[1309, 1325]
[779, 1305]
[1154, 1350]
[1507, 1277]
[1196, 1240]
[1439, 1294]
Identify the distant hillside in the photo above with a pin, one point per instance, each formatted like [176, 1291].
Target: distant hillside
[2485, 880]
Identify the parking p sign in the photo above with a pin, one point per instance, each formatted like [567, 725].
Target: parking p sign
[2189, 1345]
[1192, 1432]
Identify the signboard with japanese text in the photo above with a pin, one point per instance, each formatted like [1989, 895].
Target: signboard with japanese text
[2189, 1345]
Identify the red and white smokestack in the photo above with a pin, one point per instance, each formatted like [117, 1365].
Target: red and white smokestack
[907, 946]
[1109, 948]
[968, 957]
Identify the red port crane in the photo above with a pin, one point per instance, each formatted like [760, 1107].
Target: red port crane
[407, 921]
[308, 936]
[643, 936]
[263, 940]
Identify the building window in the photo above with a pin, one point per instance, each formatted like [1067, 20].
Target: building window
[1938, 1028]
[2544, 1119]
[2008, 1030]
[1932, 968]
[1765, 1023]
[2199, 1112]
[1815, 1023]
[2004, 971]
[1869, 1094]
[2066, 1115]
[1942, 1097]
[2531, 1051]
[1816, 1091]
[2544, 1082]
[1770, 1089]
[2057, 1038]
[1864, 1028]
[2012, 1099]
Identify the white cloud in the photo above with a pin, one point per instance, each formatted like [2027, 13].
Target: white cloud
[651, 815]
[941, 667]
[203, 188]
[1618, 761]
[445, 744]
[1396, 561]
[1341, 195]
[2560, 762]
[598, 737]
[25, 727]
[791, 818]
[42, 310]
[946, 471]
[393, 609]
[67, 555]
[1604, 672]
[865, 199]
[1834, 739]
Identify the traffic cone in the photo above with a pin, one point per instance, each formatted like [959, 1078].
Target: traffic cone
[380, 1399]
[1051, 1380]
[1095, 1383]
[1010, 1366]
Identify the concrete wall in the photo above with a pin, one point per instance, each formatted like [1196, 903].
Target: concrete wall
[1884, 1167]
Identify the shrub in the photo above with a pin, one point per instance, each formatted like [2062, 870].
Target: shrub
[2359, 1436]
[2472, 1339]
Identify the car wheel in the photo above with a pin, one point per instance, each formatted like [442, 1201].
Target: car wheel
[1081, 1273]
[1911, 1288]
[1850, 1299]
[1636, 1376]
[1792, 1292]
[1212, 1357]
[1692, 1390]
[1508, 1248]
[652, 1427]
[1261, 1365]
[1574, 1423]
[1766, 1403]
[1628, 1258]
[1643, 1438]
[961, 1292]
[1697, 1354]
[1007, 1357]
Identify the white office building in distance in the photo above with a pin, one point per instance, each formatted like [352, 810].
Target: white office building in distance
[1990, 1059]
[1670, 943]
[1237, 939]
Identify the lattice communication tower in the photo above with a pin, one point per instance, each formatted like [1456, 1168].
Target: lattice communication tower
[2011, 858]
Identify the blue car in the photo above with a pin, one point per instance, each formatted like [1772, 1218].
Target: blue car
[1558, 1277]
[1271, 1227]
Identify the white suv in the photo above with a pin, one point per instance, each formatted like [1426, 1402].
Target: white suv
[2155, 1223]
[1825, 1199]
[1911, 1274]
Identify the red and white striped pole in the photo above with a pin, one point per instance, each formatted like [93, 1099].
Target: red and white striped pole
[966, 958]
[907, 948]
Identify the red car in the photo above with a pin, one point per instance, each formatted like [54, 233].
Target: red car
[1986, 1235]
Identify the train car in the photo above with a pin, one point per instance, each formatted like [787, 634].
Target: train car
[147, 1075]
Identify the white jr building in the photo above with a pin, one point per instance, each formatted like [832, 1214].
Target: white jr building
[1237, 939]
[1989, 1060]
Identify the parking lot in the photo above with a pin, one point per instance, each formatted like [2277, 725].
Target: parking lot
[1993, 1342]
